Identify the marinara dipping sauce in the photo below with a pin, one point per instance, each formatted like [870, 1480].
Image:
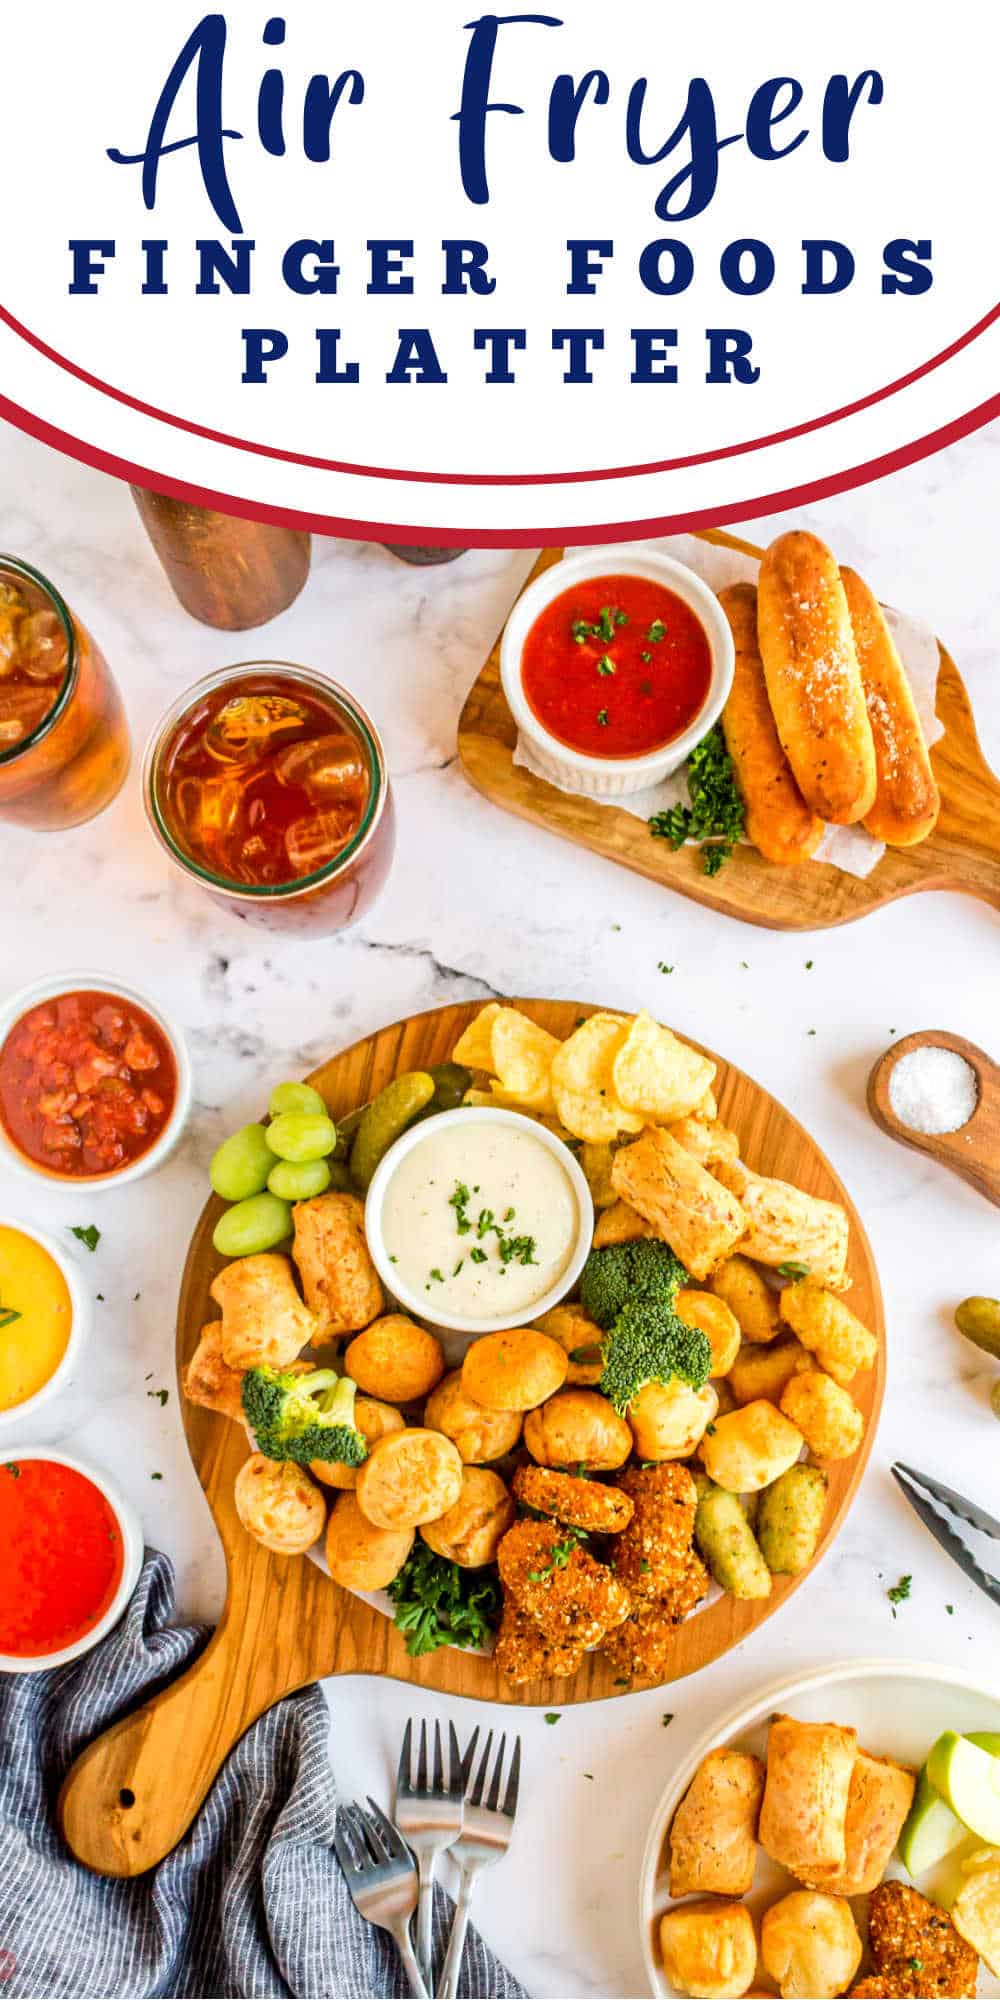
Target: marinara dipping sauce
[88, 1082]
[618, 666]
[61, 1557]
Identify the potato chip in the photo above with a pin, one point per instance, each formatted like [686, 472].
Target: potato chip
[656, 1074]
[522, 1055]
[581, 1081]
[540, 1100]
[474, 1047]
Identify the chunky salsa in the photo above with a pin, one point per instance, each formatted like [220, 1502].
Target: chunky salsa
[87, 1083]
[61, 1557]
[617, 666]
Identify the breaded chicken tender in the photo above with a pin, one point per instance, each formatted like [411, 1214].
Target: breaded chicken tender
[653, 1555]
[642, 1646]
[209, 1380]
[524, 1652]
[916, 1948]
[339, 1280]
[572, 1597]
[581, 1503]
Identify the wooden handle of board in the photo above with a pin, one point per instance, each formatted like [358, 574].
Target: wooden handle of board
[966, 841]
[133, 1794]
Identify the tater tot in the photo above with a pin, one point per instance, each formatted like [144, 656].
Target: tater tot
[749, 1296]
[764, 1371]
[750, 1448]
[359, 1555]
[728, 1543]
[580, 1337]
[578, 1427]
[827, 1416]
[373, 1420]
[842, 1346]
[339, 1280]
[479, 1435]
[468, 1534]
[716, 1321]
[409, 1477]
[279, 1505]
[790, 1519]
[395, 1360]
[514, 1370]
[667, 1419]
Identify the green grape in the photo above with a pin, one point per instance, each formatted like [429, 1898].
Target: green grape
[295, 1097]
[252, 1226]
[302, 1135]
[299, 1180]
[240, 1166]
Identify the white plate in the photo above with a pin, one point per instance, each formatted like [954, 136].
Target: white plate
[897, 1708]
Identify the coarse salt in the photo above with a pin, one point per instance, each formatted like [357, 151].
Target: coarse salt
[933, 1089]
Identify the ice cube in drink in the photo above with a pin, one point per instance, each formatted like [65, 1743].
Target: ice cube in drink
[22, 708]
[311, 842]
[42, 645]
[248, 727]
[327, 768]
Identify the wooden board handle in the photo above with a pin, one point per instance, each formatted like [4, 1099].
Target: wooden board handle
[133, 1794]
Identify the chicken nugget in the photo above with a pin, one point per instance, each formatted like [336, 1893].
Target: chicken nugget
[652, 1555]
[572, 1597]
[916, 1948]
[642, 1645]
[339, 1280]
[524, 1652]
[581, 1503]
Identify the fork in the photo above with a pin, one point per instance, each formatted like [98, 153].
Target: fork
[429, 1816]
[382, 1878]
[485, 1838]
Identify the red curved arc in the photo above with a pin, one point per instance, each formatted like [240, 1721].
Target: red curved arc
[312, 463]
[616, 531]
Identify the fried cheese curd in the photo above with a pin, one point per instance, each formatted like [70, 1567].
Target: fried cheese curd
[572, 1598]
[581, 1503]
[525, 1652]
[915, 1948]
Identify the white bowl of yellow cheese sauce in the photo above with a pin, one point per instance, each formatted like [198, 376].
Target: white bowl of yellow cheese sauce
[46, 1315]
[478, 1220]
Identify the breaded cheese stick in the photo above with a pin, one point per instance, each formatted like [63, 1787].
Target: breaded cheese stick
[778, 820]
[813, 678]
[906, 802]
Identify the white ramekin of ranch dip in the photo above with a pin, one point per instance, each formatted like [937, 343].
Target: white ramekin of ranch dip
[479, 1219]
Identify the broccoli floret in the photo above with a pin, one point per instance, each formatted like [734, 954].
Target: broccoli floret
[649, 1343]
[301, 1417]
[629, 1273]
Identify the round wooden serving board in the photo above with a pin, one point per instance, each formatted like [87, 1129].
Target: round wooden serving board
[963, 852]
[134, 1793]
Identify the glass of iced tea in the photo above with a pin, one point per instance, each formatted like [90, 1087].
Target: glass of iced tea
[267, 783]
[64, 743]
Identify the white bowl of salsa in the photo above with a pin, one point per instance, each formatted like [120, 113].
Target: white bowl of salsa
[71, 1551]
[46, 1317]
[615, 665]
[95, 1081]
[479, 1219]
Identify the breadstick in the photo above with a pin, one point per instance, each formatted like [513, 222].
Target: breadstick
[813, 678]
[906, 803]
[778, 821]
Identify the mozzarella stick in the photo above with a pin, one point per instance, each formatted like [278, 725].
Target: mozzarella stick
[906, 802]
[778, 821]
[813, 678]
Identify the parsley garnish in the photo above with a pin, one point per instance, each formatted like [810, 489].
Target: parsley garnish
[158, 1395]
[657, 631]
[602, 718]
[715, 817]
[478, 1256]
[438, 1276]
[646, 658]
[606, 666]
[664, 968]
[793, 1272]
[667, 1720]
[14, 1470]
[560, 1555]
[552, 1715]
[91, 1236]
[156, 1475]
[604, 629]
[899, 1592]
[8, 1314]
[439, 1604]
[511, 1249]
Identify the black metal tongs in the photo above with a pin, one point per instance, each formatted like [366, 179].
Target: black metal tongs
[916, 1486]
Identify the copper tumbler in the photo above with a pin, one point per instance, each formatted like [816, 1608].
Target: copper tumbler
[227, 572]
[64, 742]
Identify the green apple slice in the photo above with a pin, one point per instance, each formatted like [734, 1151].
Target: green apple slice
[968, 1779]
[932, 1830]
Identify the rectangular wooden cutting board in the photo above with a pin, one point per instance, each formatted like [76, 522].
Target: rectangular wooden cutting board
[963, 852]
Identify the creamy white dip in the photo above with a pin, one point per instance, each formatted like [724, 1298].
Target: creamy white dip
[460, 1200]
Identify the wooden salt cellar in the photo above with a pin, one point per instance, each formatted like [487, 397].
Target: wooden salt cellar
[973, 1151]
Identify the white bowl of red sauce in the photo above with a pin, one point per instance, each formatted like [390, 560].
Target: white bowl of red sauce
[70, 1555]
[615, 665]
[95, 1081]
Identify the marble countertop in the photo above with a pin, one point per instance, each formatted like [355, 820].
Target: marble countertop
[480, 904]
